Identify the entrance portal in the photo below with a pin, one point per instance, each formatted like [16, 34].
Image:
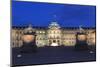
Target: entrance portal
[54, 43]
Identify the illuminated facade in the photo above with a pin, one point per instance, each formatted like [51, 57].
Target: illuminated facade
[65, 36]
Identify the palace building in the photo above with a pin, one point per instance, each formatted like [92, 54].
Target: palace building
[54, 33]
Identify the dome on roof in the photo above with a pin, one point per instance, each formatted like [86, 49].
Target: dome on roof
[54, 25]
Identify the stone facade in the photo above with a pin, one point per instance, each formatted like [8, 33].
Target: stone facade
[65, 36]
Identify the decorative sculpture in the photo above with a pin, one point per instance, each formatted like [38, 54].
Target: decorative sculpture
[29, 40]
[81, 40]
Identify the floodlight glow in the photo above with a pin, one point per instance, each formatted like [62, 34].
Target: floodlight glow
[54, 44]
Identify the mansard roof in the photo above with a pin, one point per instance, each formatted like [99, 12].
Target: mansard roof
[77, 27]
[44, 28]
[23, 27]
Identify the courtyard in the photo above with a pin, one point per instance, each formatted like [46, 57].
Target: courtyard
[52, 55]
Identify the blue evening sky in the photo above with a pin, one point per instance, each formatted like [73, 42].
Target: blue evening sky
[42, 14]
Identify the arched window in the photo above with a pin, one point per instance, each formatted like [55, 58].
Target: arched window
[58, 37]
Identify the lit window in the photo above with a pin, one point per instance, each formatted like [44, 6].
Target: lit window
[52, 31]
[43, 32]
